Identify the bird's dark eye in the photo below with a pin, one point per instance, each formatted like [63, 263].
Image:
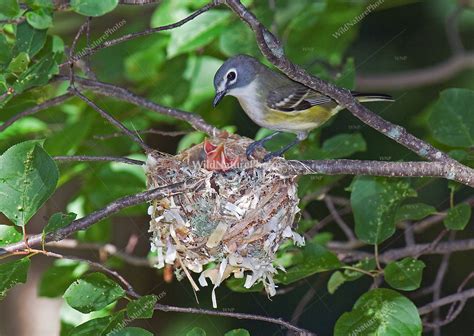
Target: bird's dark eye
[231, 76]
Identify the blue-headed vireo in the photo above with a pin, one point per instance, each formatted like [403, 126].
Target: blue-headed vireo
[276, 102]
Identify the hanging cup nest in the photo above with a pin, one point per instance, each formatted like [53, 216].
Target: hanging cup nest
[231, 222]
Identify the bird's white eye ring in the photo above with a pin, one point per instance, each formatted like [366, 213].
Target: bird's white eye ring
[231, 75]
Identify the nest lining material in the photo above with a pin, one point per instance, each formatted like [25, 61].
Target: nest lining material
[234, 220]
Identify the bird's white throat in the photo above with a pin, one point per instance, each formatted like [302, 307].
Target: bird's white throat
[250, 99]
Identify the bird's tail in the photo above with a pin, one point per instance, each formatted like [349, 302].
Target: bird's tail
[370, 97]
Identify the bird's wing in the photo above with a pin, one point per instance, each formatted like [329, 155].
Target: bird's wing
[293, 98]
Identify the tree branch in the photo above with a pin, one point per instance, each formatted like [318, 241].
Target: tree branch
[456, 172]
[271, 48]
[239, 316]
[32, 110]
[424, 249]
[462, 296]
[111, 90]
[416, 78]
[83, 158]
[112, 208]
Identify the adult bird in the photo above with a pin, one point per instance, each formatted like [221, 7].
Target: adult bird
[274, 101]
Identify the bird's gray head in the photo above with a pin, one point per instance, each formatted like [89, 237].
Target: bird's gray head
[238, 71]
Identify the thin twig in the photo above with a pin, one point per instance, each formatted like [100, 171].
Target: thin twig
[99, 266]
[240, 316]
[83, 158]
[87, 60]
[137, 2]
[109, 249]
[438, 284]
[131, 36]
[32, 110]
[433, 244]
[112, 120]
[149, 131]
[327, 220]
[71, 52]
[338, 219]
[452, 31]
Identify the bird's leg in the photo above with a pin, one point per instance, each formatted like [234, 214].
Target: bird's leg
[281, 151]
[254, 145]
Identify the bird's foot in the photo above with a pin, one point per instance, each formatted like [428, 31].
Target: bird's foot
[272, 155]
[252, 148]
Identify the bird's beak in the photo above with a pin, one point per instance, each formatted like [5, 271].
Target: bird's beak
[218, 97]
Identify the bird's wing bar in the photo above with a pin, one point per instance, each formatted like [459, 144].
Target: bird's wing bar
[293, 98]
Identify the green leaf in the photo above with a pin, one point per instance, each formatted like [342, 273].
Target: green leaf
[458, 217]
[12, 273]
[237, 332]
[153, 56]
[38, 74]
[40, 19]
[93, 8]
[405, 274]
[315, 259]
[169, 11]
[132, 331]
[116, 324]
[190, 140]
[47, 4]
[414, 211]
[196, 332]
[375, 201]
[451, 120]
[330, 20]
[5, 51]
[67, 140]
[343, 145]
[9, 8]
[29, 39]
[58, 221]
[142, 308]
[19, 63]
[91, 327]
[238, 39]
[200, 73]
[380, 312]
[9, 234]
[92, 292]
[29, 177]
[198, 32]
[59, 277]
[338, 278]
